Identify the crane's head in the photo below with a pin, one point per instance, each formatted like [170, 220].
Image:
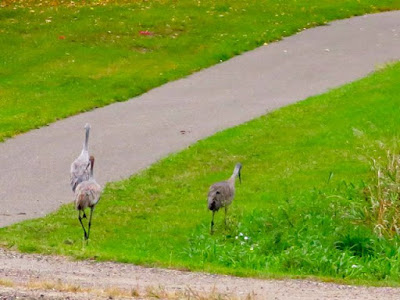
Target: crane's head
[87, 126]
[90, 163]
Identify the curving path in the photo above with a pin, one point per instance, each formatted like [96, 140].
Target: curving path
[129, 136]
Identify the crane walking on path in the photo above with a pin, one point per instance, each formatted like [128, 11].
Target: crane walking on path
[79, 168]
[87, 194]
[221, 194]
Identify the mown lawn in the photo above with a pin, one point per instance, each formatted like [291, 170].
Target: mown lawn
[59, 58]
[301, 203]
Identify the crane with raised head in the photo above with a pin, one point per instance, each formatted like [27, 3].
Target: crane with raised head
[79, 168]
[221, 194]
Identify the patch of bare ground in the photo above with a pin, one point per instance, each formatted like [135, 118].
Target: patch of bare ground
[57, 290]
[33, 276]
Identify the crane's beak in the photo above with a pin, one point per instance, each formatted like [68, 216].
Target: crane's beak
[87, 165]
[240, 178]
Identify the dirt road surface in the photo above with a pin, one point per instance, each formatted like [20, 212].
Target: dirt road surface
[30, 275]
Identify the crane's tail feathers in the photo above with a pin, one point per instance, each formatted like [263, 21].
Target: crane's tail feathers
[212, 206]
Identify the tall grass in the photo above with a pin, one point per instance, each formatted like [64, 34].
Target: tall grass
[382, 210]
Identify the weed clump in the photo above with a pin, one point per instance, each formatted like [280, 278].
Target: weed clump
[383, 196]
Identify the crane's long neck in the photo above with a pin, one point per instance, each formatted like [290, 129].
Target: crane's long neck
[86, 145]
[236, 173]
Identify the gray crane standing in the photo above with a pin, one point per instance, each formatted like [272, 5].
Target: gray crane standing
[221, 193]
[87, 195]
[79, 168]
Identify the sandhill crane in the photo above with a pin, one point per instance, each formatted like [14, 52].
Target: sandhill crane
[221, 193]
[79, 168]
[87, 194]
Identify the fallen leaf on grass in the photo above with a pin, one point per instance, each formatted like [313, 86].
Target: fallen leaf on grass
[145, 32]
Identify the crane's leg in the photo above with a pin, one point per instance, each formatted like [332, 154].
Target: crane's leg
[90, 220]
[226, 211]
[83, 227]
[212, 222]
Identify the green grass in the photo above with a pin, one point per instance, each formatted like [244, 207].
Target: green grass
[304, 169]
[58, 59]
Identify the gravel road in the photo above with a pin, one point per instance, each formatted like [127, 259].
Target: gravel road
[30, 275]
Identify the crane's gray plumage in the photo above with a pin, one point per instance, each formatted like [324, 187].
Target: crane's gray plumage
[79, 168]
[87, 195]
[221, 193]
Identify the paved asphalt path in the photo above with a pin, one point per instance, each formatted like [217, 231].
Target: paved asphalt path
[127, 137]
